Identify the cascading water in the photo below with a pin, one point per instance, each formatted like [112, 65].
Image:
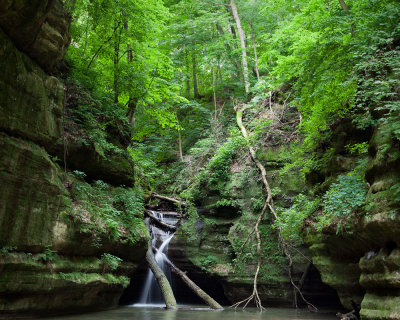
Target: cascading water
[151, 294]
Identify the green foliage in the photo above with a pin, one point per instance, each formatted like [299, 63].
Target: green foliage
[219, 164]
[84, 278]
[48, 255]
[190, 225]
[216, 175]
[290, 221]
[358, 148]
[6, 250]
[338, 62]
[110, 262]
[117, 56]
[344, 198]
[102, 210]
[208, 262]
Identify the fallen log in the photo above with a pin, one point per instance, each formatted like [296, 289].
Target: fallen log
[194, 287]
[182, 204]
[161, 279]
[160, 223]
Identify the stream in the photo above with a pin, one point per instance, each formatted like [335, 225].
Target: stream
[201, 313]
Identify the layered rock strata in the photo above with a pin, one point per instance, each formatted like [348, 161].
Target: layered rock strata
[48, 263]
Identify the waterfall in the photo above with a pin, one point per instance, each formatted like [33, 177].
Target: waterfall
[151, 294]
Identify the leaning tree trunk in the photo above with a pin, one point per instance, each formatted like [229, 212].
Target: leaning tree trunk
[161, 279]
[242, 46]
[194, 287]
[255, 52]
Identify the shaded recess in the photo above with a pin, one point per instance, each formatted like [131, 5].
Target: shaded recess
[317, 292]
[182, 293]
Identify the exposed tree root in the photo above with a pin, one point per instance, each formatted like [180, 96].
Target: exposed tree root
[268, 205]
[255, 296]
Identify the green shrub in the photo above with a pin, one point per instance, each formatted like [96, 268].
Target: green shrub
[208, 262]
[110, 262]
[344, 197]
[290, 220]
[48, 255]
[101, 209]
[6, 250]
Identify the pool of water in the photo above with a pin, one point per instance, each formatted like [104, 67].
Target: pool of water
[201, 313]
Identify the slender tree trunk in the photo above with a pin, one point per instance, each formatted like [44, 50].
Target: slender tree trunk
[187, 75]
[132, 102]
[179, 140]
[236, 63]
[255, 52]
[242, 46]
[214, 91]
[219, 72]
[195, 88]
[116, 61]
[86, 34]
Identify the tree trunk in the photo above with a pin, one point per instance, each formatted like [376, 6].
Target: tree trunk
[214, 91]
[161, 224]
[179, 140]
[116, 61]
[69, 5]
[195, 89]
[187, 75]
[180, 203]
[132, 102]
[255, 52]
[242, 46]
[236, 63]
[195, 288]
[161, 279]
[219, 71]
[344, 5]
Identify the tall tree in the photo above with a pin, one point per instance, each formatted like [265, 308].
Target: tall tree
[242, 38]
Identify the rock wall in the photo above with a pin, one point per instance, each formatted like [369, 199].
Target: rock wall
[362, 263]
[208, 241]
[48, 262]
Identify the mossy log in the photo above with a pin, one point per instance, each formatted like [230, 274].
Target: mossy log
[169, 199]
[160, 223]
[195, 288]
[161, 279]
